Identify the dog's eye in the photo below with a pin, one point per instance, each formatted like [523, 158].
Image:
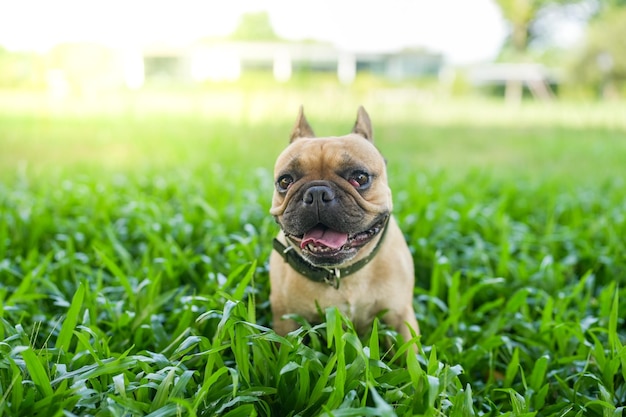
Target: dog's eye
[359, 179]
[284, 182]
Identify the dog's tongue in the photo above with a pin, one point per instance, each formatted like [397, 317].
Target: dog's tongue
[323, 236]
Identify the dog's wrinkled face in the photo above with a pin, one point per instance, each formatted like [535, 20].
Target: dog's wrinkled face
[331, 196]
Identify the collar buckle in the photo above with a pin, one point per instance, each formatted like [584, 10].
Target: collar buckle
[333, 277]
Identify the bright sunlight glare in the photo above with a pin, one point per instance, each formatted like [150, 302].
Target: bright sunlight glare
[464, 31]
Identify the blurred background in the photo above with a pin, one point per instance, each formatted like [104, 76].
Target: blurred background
[527, 87]
[542, 49]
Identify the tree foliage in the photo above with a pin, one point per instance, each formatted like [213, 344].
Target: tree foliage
[254, 27]
[602, 63]
[522, 14]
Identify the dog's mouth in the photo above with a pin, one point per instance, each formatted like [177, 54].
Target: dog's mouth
[327, 246]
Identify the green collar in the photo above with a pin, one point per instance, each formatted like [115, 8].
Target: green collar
[331, 276]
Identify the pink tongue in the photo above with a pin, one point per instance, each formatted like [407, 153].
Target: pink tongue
[322, 236]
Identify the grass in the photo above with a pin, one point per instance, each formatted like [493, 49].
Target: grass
[134, 243]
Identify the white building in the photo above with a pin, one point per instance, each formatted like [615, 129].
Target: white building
[227, 60]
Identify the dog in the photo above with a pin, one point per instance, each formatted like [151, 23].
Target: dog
[339, 245]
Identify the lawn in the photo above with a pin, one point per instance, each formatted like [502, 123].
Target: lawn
[135, 234]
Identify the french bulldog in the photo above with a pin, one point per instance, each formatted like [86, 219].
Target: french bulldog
[339, 245]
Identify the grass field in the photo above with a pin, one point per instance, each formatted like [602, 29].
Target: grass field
[134, 238]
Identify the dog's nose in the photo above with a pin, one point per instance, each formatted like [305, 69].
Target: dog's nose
[318, 194]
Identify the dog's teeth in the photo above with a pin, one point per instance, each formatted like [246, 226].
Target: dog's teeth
[318, 249]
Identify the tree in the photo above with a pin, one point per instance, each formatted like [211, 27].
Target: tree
[520, 13]
[523, 14]
[602, 63]
[254, 27]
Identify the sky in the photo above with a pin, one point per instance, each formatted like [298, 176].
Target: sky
[465, 31]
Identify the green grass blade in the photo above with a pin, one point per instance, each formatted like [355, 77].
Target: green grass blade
[463, 403]
[512, 369]
[71, 320]
[38, 374]
[613, 336]
[163, 390]
[539, 373]
[118, 273]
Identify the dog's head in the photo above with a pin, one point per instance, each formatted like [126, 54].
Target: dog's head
[331, 197]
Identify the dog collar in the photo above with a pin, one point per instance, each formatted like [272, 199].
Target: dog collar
[330, 276]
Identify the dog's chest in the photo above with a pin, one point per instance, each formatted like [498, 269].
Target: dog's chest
[354, 299]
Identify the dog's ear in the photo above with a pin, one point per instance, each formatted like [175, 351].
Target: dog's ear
[363, 125]
[302, 129]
